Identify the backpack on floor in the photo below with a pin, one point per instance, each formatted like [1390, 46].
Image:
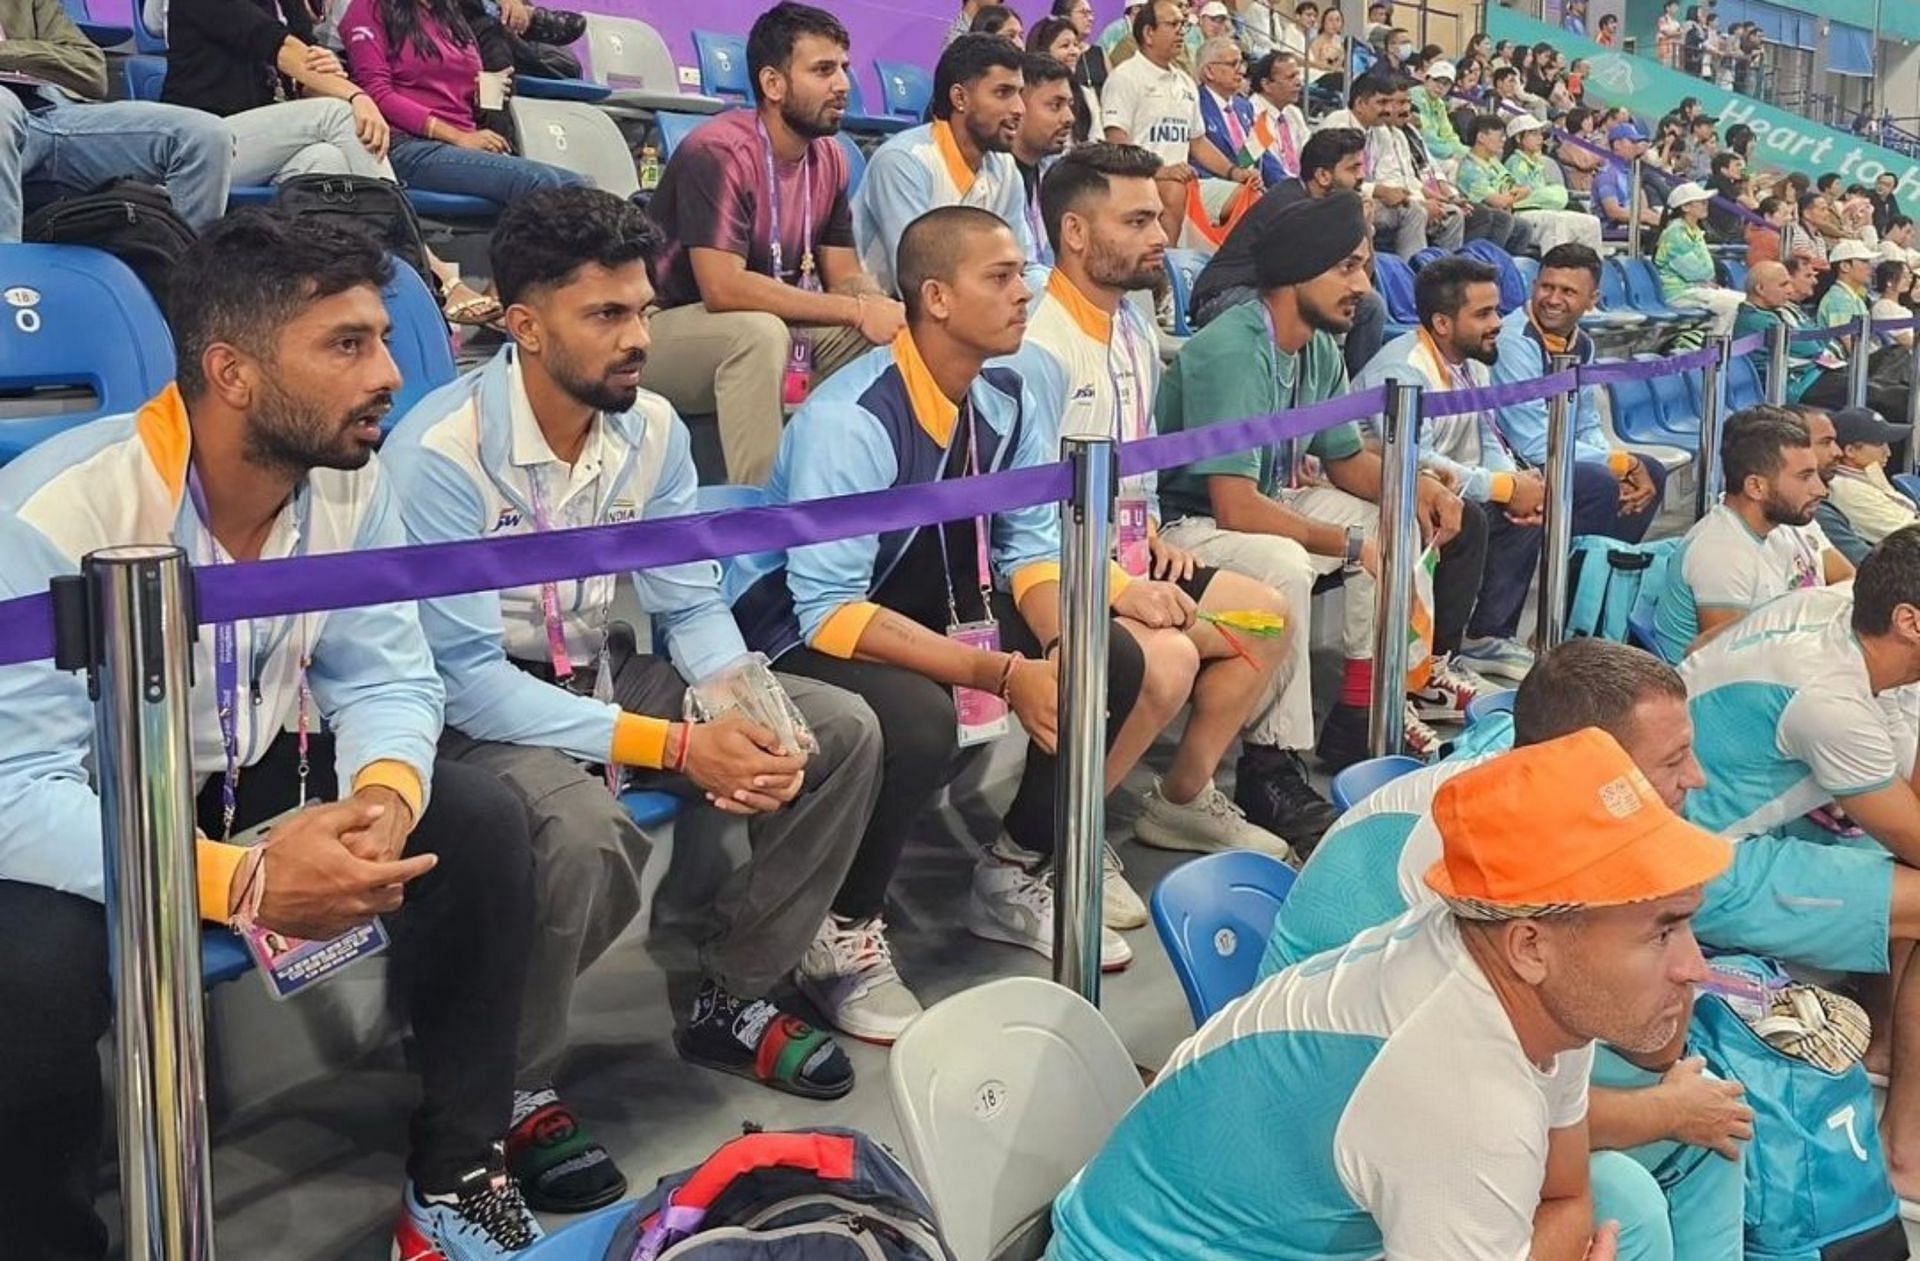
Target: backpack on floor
[1816, 1178]
[360, 202]
[134, 222]
[1609, 581]
[800, 1195]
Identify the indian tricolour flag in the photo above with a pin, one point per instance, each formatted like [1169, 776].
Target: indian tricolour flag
[1257, 142]
[1420, 621]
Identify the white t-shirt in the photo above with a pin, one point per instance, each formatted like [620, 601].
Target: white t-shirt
[1369, 1101]
[1158, 109]
[1793, 668]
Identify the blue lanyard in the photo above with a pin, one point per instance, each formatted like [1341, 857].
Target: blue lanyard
[773, 208]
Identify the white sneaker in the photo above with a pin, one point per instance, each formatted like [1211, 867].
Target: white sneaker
[1120, 906]
[1420, 740]
[848, 974]
[1013, 905]
[1208, 824]
[1447, 694]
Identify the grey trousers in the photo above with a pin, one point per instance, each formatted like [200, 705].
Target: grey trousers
[588, 854]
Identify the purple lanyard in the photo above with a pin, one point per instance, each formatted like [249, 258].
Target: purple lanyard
[1141, 402]
[778, 253]
[980, 527]
[226, 681]
[549, 591]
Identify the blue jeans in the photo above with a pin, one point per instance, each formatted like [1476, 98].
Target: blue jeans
[1513, 552]
[433, 166]
[60, 148]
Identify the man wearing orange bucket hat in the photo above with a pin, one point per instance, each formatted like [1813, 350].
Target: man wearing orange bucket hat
[1423, 1092]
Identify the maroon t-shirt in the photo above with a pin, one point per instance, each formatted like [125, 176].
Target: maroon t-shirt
[713, 195]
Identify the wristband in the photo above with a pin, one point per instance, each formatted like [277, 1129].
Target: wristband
[1006, 675]
[1356, 543]
[253, 889]
[1046, 651]
[354, 96]
[684, 746]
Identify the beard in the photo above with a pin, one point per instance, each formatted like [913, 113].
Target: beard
[1779, 512]
[596, 392]
[989, 139]
[1116, 271]
[814, 123]
[1333, 318]
[285, 432]
[1481, 352]
[1584, 1008]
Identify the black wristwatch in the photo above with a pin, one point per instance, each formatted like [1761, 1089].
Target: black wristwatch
[1356, 543]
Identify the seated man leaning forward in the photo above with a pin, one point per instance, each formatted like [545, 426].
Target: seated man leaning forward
[1828, 672]
[943, 630]
[1430, 1081]
[263, 451]
[556, 433]
[1670, 1203]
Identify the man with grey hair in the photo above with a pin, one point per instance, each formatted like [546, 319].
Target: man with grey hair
[1229, 116]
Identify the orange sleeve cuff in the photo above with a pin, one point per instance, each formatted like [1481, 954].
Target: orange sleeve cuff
[1117, 580]
[1030, 576]
[1501, 491]
[216, 864]
[839, 635]
[640, 741]
[389, 773]
[1621, 462]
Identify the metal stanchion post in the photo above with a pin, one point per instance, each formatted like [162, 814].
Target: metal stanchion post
[1399, 550]
[1907, 461]
[1634, 194]
[1080, 803]
[1556, 548]
[1779, 362]
[138, 632]
[1713, 414]
[1860, 362]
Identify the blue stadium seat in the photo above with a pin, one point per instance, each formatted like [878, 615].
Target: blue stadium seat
[541, 88]
[1736, 273]
[430, 205]
[1183, 271]
[76, 317]
[723, 65]
[674, 128]
[1214, 916]
[1640, 628]
[1744, 388]
[1529, 269]
[860, 122]
[1677, 401]
[104, 35]
[1613, 287]
[1637, 418]
[1514, 291]
[651, 809]
[223, 957]
[906, 88]
[1643, 293]
[420, 342]
[1353, 785]
[856, 163]
[1907, 484]
[1428, 255]
[1395, 280]
[1490, 704]
[145, 39]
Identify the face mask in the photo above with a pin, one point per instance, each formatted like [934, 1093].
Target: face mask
[1403, 50]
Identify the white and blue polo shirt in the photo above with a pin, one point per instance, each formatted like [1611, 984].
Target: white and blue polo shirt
[1369, 1102]
[1785, 718]
[1722, 564]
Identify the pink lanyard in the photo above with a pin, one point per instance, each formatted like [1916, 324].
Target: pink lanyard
[1235, 129]
[777, 250]
[549, 591]
[1290, 158]
[1141, 402]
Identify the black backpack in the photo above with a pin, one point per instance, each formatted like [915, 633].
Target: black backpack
[360, 202]
[134, 222]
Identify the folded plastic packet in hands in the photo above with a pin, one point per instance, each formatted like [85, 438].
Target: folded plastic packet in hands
[747, 686]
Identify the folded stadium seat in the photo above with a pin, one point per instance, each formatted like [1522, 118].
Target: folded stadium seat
[575, 137]
[144, 77]
[861, 123]
[1643, 289]
[905, 88]
[1214, 916]
[79, 319]
[723, 66]
[1359, 781]
[1426, 256]
[103, 35]
[629, 57]
[1514, 292]
[541, 88]
[1679, 412]
[421, 346]
[1395, 281]
[1183, 270]
[674, 128]
[1744, 388]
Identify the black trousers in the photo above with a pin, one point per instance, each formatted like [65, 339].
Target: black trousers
[459, 954]
[1457, 576]
[917, 726]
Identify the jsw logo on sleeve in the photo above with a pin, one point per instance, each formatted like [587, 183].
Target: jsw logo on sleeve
[509, 519]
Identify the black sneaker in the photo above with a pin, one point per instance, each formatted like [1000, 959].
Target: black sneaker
[1271, 786]
[1343, 739]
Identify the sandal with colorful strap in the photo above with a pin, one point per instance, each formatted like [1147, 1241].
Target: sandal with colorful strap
[752, 1038]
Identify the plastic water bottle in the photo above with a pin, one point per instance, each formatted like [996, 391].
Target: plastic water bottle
[649, 169]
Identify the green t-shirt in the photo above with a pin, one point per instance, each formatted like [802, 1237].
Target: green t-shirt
[1231, 370]
[1840, 306]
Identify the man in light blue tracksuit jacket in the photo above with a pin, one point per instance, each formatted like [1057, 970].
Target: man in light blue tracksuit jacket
[554, 433]
[263, 451]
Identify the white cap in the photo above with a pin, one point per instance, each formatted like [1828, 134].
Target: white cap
[1215, 9]
[1442, 70]
[1686, 194]
[1851, 251]
[1520, 124]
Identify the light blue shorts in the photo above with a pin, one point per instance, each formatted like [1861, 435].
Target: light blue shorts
[1824, 905]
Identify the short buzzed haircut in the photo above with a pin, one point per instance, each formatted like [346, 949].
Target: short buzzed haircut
[1325, 149]
[1484, 123]
[1756, 442]
[1368, 86]
[1083, 172]
[933, 245]
[1038, 69]
[1572, 256]
[1589, 682]
[1441, 287]
[968, 60]
[1888, 578]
